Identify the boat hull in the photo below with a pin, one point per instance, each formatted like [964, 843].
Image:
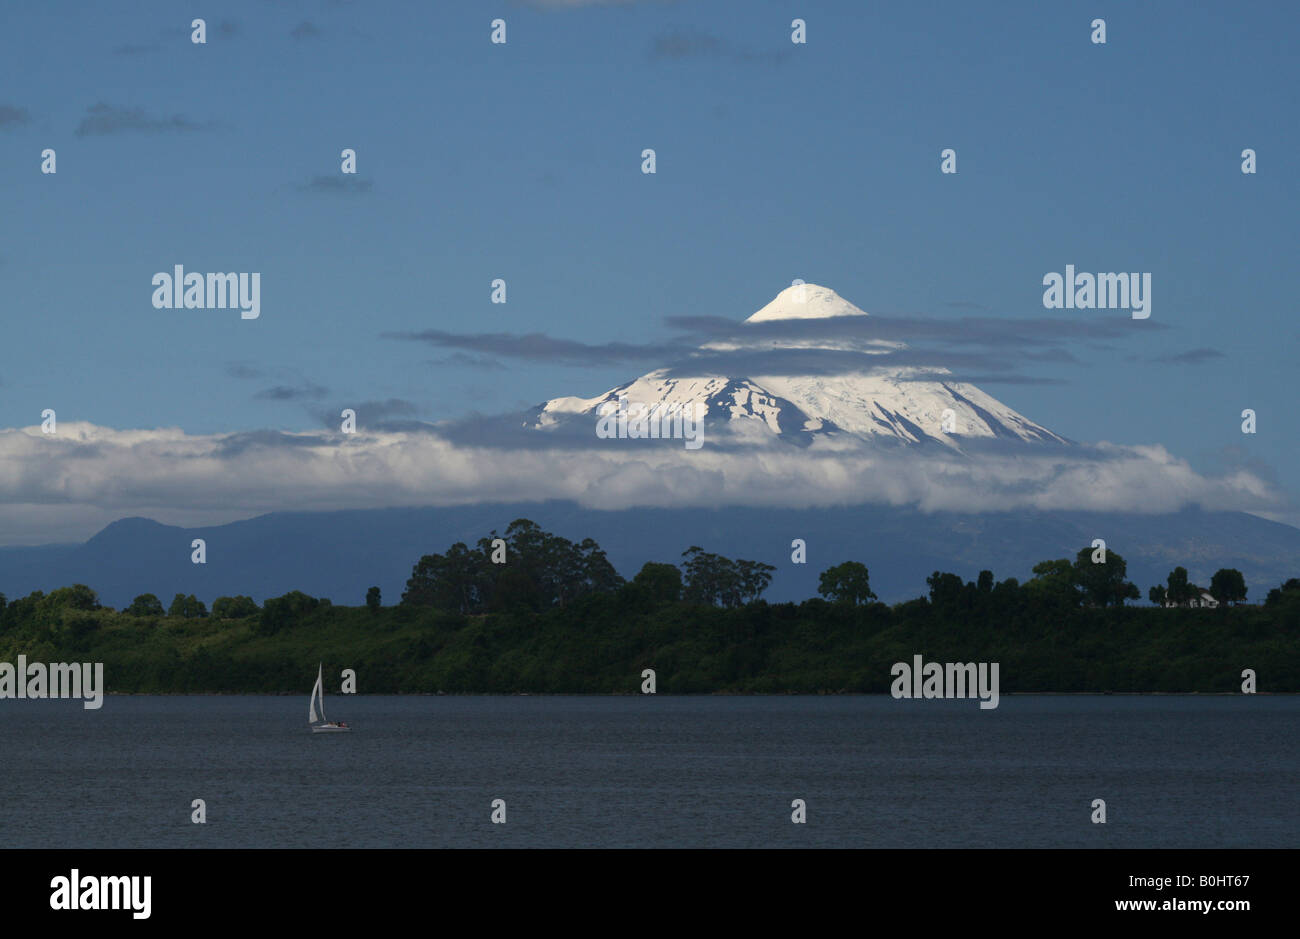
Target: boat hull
[329, 729]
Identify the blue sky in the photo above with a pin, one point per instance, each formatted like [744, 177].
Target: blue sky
[522, 161]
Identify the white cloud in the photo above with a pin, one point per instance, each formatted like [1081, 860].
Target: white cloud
[67, 486]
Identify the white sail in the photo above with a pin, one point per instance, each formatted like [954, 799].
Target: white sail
[318, 702]
[316, 690]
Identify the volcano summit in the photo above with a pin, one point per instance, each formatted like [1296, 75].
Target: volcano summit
[881, 403]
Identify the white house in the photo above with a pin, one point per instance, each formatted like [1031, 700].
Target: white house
[1201, 599]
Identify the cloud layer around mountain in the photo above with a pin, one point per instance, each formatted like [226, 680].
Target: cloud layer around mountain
[983, 349]
[64, 487]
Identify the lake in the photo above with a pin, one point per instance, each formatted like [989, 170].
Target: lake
[652, 771]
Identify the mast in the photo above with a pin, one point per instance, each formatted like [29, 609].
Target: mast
[320, 689]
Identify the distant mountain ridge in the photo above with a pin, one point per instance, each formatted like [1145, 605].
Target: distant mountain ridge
[340, 554]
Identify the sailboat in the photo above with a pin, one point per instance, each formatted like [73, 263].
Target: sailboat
[318, 724]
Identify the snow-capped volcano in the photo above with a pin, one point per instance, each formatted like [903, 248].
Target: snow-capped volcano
[875, 403]
[805, 302]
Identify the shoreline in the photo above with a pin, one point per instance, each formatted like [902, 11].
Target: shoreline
[704, 694]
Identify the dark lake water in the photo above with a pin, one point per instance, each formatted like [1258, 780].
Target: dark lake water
[658, 771]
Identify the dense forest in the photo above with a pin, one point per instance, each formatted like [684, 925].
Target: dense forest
[528, 611]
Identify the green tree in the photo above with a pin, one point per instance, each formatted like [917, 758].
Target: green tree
[1228, 585]
[849, 582]
[373, 601]
[701, 576]
[145, 605]
[1006, 593]
[233, 607]
[24, 610]
[189, 607]
[559, 570]
[754, 576]
[1053, 586]
[710, 578]
[513, 590]
[1180, 591]
[76, 597]
[1103, 584]
[457, 581]
[279, 613]
[534, 571]
[525, 568]
[714, 579]
[1157, 595]
[1288, 593]
[945, 589]
[598, 574]
[78, 627]
[660, 584]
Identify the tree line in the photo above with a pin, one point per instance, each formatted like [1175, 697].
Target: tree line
[550, 615]
[529, 568]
